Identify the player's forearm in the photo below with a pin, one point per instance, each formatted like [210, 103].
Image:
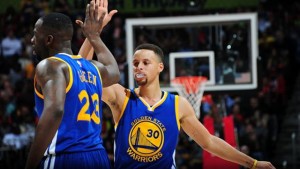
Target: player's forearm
[103, 54]
[38, 147]
[223, 150]
[32, 159]
[86, 50]
[36, 152]
[105, 57]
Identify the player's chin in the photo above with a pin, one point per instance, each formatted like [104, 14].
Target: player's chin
[141, 82]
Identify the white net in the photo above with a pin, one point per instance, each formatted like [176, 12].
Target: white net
[192, 88]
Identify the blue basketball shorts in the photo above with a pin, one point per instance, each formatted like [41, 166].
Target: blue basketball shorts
[80, 160]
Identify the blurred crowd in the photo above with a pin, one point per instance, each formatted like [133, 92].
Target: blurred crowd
[257, 113]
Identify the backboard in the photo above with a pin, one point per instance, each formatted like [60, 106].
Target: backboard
[222, 47]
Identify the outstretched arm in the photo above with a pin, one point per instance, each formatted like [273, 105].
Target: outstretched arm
[86, 49]
[192, 126]
[95, 14]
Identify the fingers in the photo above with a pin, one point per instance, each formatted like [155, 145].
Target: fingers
[105, 3]
[92, 10]
[79, 22]
[98, 2]
[87, 12]
[112, 13]
[101, 3]
[96, 12]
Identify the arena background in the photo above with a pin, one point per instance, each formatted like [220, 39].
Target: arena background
[266, 118]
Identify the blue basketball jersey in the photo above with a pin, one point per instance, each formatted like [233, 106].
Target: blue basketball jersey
[146, 136]
[80, 127]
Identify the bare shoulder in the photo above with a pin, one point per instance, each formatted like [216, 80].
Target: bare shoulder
[114, 95]
[47, 69]
[116, 88]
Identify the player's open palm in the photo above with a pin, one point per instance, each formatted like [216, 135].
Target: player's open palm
[94, 16]
[103, 6]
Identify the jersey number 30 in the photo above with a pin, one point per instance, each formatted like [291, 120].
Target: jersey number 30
[83, 115]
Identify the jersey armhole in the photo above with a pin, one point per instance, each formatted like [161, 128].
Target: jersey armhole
[124, 106]
[39, 94]
[70, 72]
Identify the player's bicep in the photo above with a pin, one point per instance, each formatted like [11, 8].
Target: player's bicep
[112, 94]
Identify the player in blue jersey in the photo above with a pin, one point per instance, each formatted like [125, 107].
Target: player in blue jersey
[68, 91]
[148, 120]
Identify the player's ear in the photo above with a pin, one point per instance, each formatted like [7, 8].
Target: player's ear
[161, 67]
[49, 40]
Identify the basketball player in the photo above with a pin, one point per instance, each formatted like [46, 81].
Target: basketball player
[68, 91]
[148, 120]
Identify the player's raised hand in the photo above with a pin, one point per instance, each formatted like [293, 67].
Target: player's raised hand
[102, 8]
[94, 16]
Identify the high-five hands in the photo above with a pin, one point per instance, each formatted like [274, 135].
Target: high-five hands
[99, 10]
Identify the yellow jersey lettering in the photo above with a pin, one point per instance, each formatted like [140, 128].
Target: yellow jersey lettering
[146, 118]
[160, 124]
[145, 159]
[143, 118]
[129, 151]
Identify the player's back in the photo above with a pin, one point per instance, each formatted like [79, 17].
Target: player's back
[80, 127]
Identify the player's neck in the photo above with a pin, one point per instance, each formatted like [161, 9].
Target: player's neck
[149, 92]
[150, 95]
[63, 50]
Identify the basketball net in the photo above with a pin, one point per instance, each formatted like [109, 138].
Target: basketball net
[192, 88]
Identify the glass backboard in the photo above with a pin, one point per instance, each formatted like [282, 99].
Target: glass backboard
[221, 47]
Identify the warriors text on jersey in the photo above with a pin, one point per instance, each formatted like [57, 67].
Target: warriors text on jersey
[80, 127]
[146, 136]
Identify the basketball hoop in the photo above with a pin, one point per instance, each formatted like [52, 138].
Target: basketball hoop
[192, 88]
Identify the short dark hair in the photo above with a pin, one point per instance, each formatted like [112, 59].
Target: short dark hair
[58, 22]
[157, 50]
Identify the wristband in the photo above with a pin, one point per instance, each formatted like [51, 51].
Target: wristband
[254, 164]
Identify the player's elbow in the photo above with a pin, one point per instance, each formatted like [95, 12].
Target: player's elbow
[115, 76]
[56, 112]
[206, 144]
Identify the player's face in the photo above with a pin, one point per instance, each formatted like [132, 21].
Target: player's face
[146, 66]
[38, 42]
